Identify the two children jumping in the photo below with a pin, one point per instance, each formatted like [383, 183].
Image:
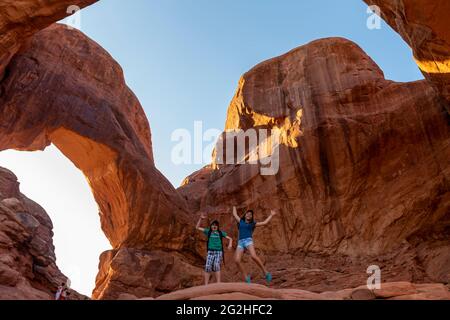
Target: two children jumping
[215, 254]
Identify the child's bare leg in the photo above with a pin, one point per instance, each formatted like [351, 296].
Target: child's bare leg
[255, 258]
[238, 259]
[218, 279]
[207, 277]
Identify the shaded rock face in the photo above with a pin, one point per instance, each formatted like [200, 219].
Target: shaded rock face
[424, 26]
[21, 19]
[27, 260]
[364, 163]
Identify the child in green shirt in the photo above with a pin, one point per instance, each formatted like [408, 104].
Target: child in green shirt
[215, 254]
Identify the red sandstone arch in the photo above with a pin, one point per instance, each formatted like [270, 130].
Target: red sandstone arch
[21, 19]
[62, 88]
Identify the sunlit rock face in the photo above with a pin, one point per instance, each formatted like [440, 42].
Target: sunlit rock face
[21, 19]
[364, 165]
[423, 25]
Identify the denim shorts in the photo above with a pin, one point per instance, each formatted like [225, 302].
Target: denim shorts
[245, 243]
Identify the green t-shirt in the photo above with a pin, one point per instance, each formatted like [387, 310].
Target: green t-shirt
[214, 243]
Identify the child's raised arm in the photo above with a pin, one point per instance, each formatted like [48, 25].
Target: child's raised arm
[202, 217]
[265, 222]
[235, 215]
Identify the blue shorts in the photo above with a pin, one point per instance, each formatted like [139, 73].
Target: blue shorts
[245, 243]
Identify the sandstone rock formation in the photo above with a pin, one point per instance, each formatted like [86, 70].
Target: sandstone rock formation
[63, 88]
[423, 25]
[364, 166]
[240, 291]
[27, 259]
[105, 135]
[363, 174]
[21, 19]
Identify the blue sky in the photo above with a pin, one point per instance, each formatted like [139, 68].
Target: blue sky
[183, 59]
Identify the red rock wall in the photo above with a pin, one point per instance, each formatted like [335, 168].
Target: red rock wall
[364, 162]
[348, 153]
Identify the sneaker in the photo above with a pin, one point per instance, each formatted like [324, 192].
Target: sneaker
[268, 277]
[248, 279]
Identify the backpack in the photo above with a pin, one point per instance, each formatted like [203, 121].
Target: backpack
[221, 243]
